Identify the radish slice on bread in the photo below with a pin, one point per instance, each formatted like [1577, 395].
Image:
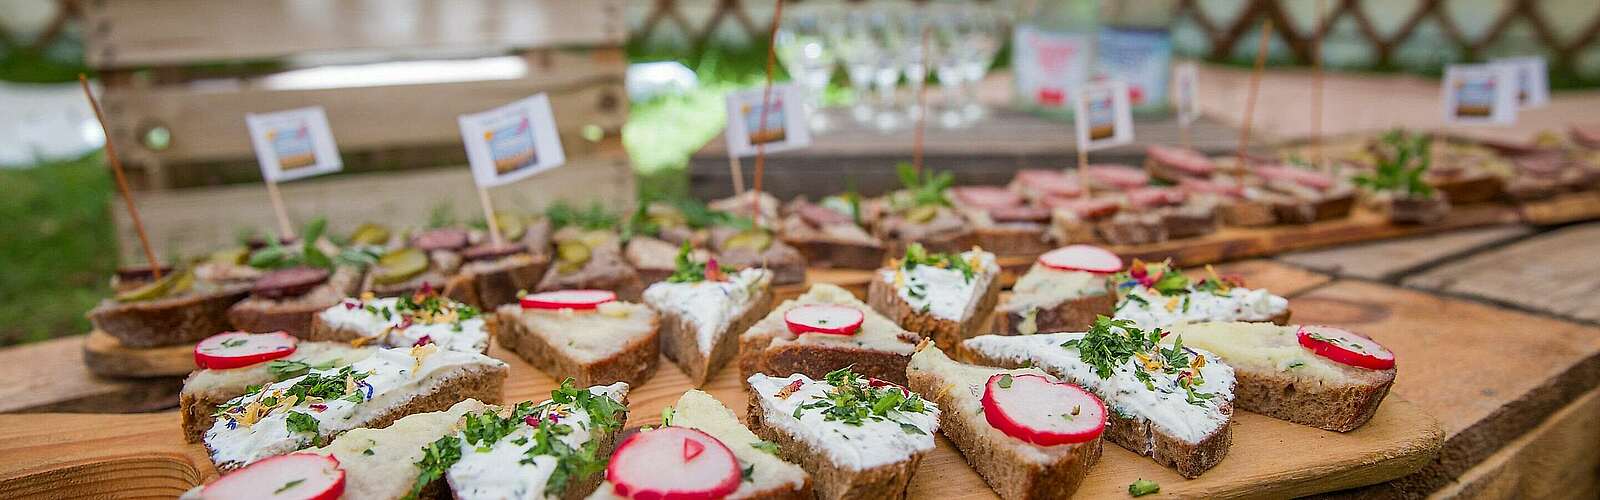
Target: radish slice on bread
[1345, 347]
[568, 299]
[237, 349]
[1082, 258]
[1041, 411]
[287, 477]
[836, 320]
[673, 462]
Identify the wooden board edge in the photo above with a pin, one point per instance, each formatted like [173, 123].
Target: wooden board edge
[1558, 457]
[103, 355]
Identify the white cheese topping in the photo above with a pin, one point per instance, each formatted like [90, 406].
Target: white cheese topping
[393, 377]
[1044, 287]
[1167, 406]
[497, 471]
[380, 320]
[1149, 309]
[857, 447]
[946, 293]
[710, 305]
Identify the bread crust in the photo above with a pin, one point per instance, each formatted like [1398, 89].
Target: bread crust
[948, 334]
[678, 341]
[1012, 239]
[169, 321]
[829, 480]
[495, 283]
[294, 315]
[1339, 408]
[634, 364]
[826, 252]
[1072, 315]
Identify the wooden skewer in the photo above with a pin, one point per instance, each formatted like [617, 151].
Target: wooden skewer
[766, 102]
[922, 103]
[1316, 88]
[1250, 98]
[737, 172]
[1081, 95]
[122, 179]
[285, 230]
[495, 237]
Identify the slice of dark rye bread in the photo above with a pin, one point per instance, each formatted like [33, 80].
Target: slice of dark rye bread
[1052, 300]
[188, 317]
[880, 350]
[885, 298]
[1279, 378]
[1015, 469]
[293, 315]
[494, 282]
[1134, 432]
[617, 342]
[678, 333]
[204, 390]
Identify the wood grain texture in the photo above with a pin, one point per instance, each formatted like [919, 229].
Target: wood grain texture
[1558, 459]
[50, 376]
[106, 357]
[1552, 273]
[1385, 260]
[175, 32]
[1487, 373]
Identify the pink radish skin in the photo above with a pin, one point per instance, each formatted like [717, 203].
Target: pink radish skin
[215, 353]
[676, 463]
[832, 320]
[568, 299]
[1082, 258]
[297, 476]
[1039, 411]
[1347, 347]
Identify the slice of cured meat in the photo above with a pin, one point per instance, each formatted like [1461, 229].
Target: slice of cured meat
[1121, 177]
[1186, 160]
[1048, 183]
[1020, 214]
[291, 282]
[986, 197]
[1149, 197]
[1093, 208]
[440, 239]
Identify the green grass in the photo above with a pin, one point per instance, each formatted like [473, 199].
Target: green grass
[58, 248]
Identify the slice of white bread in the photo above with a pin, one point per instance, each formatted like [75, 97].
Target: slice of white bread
[1282, 379]
[940, 303]
[378, 463]
[769, 476]
[701, 321]
[557, 448]
[615, 342]
[1014, 468]
[403, 322]
[875, 459]
[1046, 299]
[389, 384]
[1160, 423]
[205, 389]
[880, 350]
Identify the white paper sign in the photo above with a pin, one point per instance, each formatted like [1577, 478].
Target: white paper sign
[1102, 114]
[785, 126]
[511, 142]
[1186, 94]
[1480, 94]
[293, 144]
[1533, 80]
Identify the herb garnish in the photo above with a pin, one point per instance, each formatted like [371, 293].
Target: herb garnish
[288, 485]
[855, 401]
[300, 422]
[927, 189]
[1111, 343]
[282, 370]
[916, 255]
[1143, 487]
[1402, 161]
[688, 270]
[768, 446]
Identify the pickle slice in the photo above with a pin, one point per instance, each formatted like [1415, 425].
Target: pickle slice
[573, 251]
[169, 285]
[512, 226]
[754, 239]
[922, 214]
[399, 266]
[233, 256]
[370, 234]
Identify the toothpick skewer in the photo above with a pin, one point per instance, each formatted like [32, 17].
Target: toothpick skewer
[922, 103]
[766, 102]
[1250, 98]
[1316, 88]
[122, 179]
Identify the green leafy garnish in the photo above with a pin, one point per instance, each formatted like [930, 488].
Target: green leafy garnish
[1143, 487]
[1402, 161]
[299, 422]
[284, 369]
[927, 189]
[563, 214]
[855, 401]
[1005, 381]
[767, 446]
[688, 270]
[1111, 343]
[437, 457]
[288, 485]
[917, 255]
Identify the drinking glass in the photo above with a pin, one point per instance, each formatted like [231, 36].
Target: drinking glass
[850, 34]
[986, 27]
[802, 47]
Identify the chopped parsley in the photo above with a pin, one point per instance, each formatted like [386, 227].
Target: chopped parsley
[768, 446]
[300, 422]
[1143, 487]
[233, 342]
[288, 485]
[284, 369]
[1005, 381]
[437, 457]
[1111, 343]
[854, 401]
[916, 255]
[688, 271]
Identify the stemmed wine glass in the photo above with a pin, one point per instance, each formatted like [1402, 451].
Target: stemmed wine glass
[802, 46]
[850, 33]
[986, 28]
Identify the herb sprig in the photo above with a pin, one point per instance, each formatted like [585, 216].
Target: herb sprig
[855, 401]
[688, 270]
[1112, 343]
[1402, 161]
[916, 255]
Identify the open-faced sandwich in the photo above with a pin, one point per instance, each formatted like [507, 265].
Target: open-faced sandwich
[1064, 291]
[946, 297]
[701, 451]
[739, 247]
[1396, 184]
[422, 317]
[1175, 164]
[824, 330]
[296, 281]
[760, 207]
[921, 213]
[1153, 214]
[496, 272]
[1003, 220]
[1155, 295]
[832, 233]
[430, 257]
[1319, 376]
[1172, 403]
[586, 335]
[859, 437]
[703, 309]
[233, 362]
[658, 229]
[177, 308]
[589, 257]
[1029, 435]
[312, 409]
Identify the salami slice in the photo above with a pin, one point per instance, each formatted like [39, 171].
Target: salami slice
[1094, 208]
[1588, 137]
[440, 239]
[1541, 165]
[291, 282]
[490, 251]
[986, 197]
[1216, 187]
[819, 215]
[1120, 177]
[1303, 177]
[1148, 197]
[1048, 183]
[1187, 160]
[1020, 214]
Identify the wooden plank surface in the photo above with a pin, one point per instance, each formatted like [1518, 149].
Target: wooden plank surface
[1558, 459]
[1552, 273]
[1487, 373]
[105, 356]
[1385, 260]
[177, 32]
[49, 376]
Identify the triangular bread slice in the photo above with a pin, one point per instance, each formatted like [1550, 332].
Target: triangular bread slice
[206, 389]
[521, 463]
[701, 320]
[1157, 420]
[414, 319]
[1055, 300]
[1014, 468]
[768, 476]
[1282, 379]
[942, 303]
[879, 350]
[615, 342]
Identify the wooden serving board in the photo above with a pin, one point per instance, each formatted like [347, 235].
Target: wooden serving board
[1562, 209]
[107, 357]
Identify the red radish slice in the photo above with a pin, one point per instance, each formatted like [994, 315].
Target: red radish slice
[568, 299]
[1082, 258]
[657, 464]
[287, 477]
[1345, 347]
[236, 349]
[1034, 409]
[835, 320]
